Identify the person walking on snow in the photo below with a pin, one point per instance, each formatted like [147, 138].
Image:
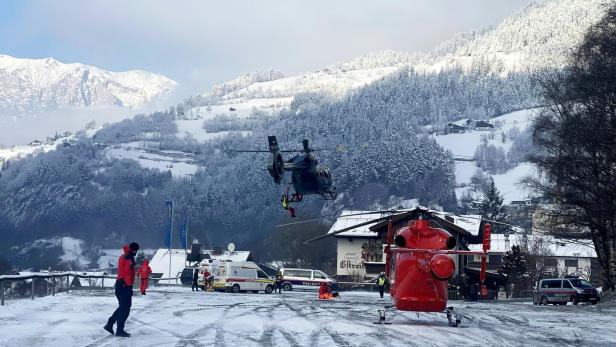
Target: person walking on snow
[381, 282]
[144, 274]
[123, 290]
[195, 280]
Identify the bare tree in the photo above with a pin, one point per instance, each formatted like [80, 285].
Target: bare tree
[576, 140]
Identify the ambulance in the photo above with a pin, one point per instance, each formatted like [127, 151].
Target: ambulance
[236, 276]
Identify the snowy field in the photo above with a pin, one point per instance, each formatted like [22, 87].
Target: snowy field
[465, 144]
[179, 317]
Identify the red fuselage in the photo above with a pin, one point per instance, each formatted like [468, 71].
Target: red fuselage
[419, 274]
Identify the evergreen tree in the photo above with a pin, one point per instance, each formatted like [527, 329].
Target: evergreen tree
[492, 208]
[513, 267]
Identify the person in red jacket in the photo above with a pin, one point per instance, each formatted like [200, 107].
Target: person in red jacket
[144, 273]
[325, 291]
[123, 290]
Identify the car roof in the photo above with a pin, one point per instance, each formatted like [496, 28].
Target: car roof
[561, 278]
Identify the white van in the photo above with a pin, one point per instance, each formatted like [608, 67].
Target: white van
[305, 279]
[237, 276]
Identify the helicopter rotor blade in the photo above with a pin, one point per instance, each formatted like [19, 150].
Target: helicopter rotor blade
[372, 221]
[244, 151]
[371, 212]
[489, 221]
[302, 222]
[326, 218]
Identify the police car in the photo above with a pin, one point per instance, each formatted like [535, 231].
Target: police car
[562, 290]
[304, 279]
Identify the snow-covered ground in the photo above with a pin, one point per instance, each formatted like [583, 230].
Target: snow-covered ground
[194, 128]
[464, 145]
[179, 317]
[179, 163]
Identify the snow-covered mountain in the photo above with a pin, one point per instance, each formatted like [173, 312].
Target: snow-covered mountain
[108, 186]
[538, 37]
[272, 91]
[28, 85]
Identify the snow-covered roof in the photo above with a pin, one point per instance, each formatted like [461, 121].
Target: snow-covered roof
[228, 256]
[554, 246]
[160, 262]
[354, 218]
[470, 223]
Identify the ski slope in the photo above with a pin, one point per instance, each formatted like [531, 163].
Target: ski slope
[176, 316]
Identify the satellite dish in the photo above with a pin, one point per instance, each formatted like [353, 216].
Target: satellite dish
[231, 247]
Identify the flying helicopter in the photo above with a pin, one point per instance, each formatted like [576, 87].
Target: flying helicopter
[418, 262]
[308, 176]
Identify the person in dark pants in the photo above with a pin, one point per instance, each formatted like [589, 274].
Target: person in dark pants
[195, 284]
[278, 282]
[381, 282]
[123, 290]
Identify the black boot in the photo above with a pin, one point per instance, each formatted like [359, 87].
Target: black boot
[109, 328]
[122, 333]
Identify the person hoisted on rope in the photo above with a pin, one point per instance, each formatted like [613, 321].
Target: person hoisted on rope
[285, 205]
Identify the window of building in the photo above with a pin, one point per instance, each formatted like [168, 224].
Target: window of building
[495, 259]
[571, 263]
[549, 262]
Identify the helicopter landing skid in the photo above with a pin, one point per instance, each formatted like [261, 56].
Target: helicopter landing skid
[453, 317]
[296, 197]
[382, 313]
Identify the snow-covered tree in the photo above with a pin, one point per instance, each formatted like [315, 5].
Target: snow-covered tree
[493, 209]
[513, 267]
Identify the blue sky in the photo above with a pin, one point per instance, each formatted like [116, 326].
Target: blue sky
[200, 43]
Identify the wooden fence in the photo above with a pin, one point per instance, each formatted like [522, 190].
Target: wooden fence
[15, 286]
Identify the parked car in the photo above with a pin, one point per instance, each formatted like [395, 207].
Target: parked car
[305, 279]
[562, 290]
[236, 276]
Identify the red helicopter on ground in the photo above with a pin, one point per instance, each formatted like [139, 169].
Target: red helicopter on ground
[418, 263]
